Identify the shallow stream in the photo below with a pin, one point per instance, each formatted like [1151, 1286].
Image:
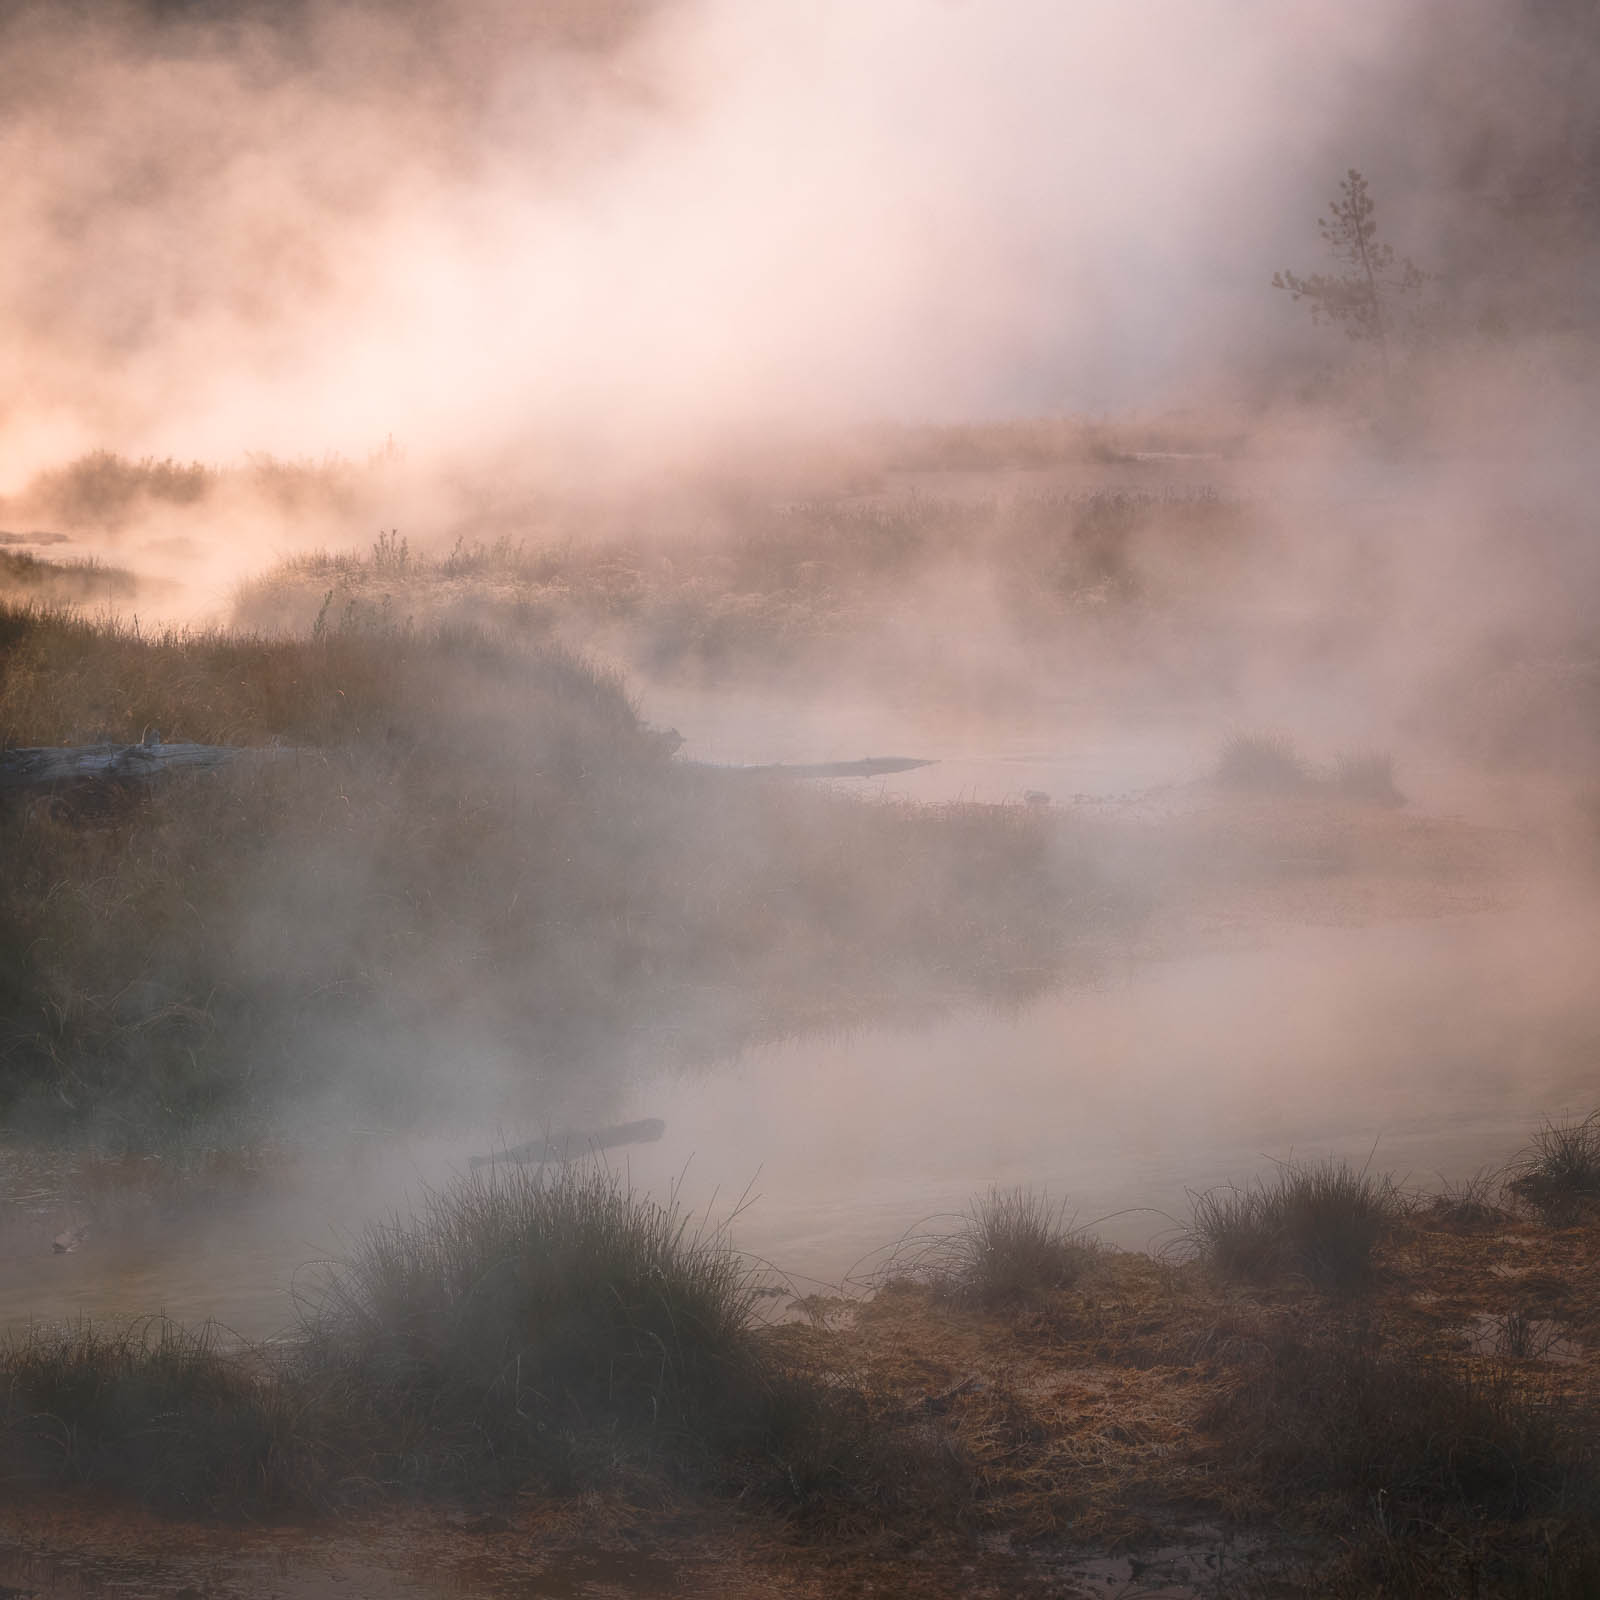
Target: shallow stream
[1430, 1046]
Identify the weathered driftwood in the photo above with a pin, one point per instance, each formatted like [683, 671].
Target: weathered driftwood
[572, 1145]
[112, 763]
[872, 767]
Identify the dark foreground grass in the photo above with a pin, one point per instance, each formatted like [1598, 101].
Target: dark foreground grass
[541, 1331]
[450, 847]
[1318, 1220]
[1436, 1480]
[168, 1416]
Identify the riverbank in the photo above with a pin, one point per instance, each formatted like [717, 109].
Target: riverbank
[1046, 1416]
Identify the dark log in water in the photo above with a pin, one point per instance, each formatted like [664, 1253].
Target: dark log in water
[573, 1145]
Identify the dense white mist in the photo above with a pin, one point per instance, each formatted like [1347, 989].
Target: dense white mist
[227, 239]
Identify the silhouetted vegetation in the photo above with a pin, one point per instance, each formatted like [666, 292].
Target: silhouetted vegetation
[1321, 1220]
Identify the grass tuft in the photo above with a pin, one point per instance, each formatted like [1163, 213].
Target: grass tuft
[1016, 1243]
[1263, 762]
[1011, 1245]
[525, 1310]
[1559, 1177]
[1471, 1202]
[1318, 1220]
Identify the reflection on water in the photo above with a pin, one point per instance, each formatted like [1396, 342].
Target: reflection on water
[1433, 1047]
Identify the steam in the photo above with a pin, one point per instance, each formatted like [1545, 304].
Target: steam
[681, 220]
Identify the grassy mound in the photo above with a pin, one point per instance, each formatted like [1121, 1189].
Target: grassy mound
[1318, 1220]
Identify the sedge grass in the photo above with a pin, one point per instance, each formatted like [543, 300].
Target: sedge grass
[1320, 1220]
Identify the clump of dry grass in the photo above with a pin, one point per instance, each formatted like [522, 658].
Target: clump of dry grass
[1263, 762]
[1013, 1244]
[522, 1310]
[1320, 1220]
[1559, 1177]
[1269, 763]
[1471, 1202]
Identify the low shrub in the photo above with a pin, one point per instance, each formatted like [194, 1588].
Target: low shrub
[1320, 1220]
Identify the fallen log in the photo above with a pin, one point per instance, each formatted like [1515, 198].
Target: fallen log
[48, 765]
[572, 1145]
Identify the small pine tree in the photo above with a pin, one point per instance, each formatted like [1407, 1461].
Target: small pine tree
[1355, 298]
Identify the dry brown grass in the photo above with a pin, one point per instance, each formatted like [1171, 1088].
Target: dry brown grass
[769, 585]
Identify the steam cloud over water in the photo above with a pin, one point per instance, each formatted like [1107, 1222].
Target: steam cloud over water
[598, 249]
[306, 228]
